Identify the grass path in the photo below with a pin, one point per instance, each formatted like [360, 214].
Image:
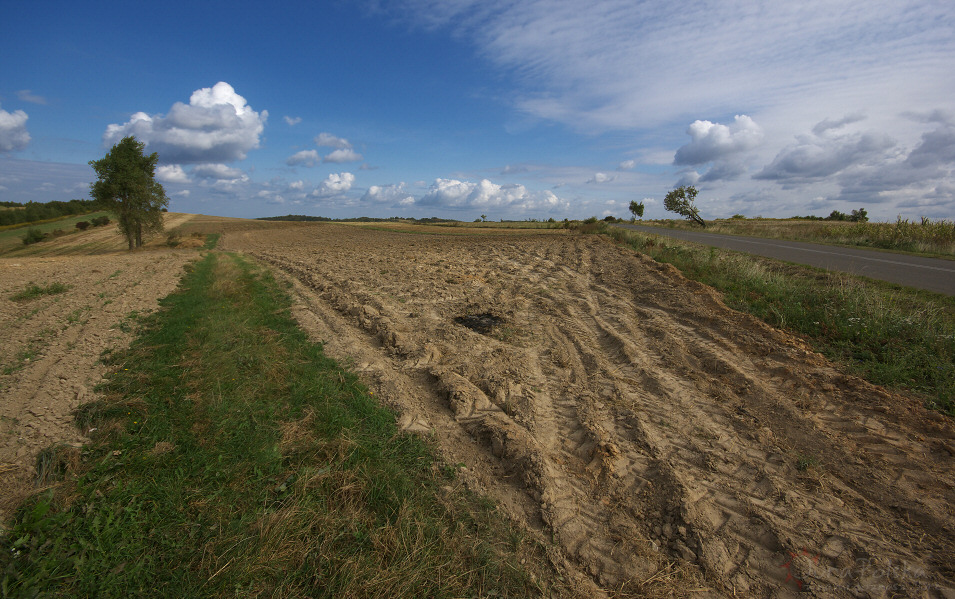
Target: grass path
[231, 457]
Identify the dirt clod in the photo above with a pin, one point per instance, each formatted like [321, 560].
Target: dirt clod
[482, 323]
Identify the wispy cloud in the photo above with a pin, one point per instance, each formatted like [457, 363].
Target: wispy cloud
[632, 63]
[219, 172]
[25, 95]
[342, 155]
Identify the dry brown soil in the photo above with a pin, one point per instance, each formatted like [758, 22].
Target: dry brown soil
[625, 414]
[50, 358]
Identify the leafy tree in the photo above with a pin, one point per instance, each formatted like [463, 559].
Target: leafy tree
[637, 209]
[680, 200]
[126, 185]
[859, 216]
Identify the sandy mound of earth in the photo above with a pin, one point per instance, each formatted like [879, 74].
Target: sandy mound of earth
[625, 413]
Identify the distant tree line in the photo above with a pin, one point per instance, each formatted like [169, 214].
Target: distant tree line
[359, 219]
[856, 216]
[18, 213]
[296, 217]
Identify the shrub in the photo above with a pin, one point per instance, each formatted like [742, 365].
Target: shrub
[100, 221]
[83, 225]
[33, 236]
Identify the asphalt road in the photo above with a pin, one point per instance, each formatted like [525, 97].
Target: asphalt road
[932, 274]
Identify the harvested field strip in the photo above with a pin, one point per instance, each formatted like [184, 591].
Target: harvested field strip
[629, 415]
[231, 456]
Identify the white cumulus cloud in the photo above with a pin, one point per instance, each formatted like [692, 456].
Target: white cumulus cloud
[452, 193]
[335, 183]
[626, 165]
[217, 125]
[388, 194]
[332, 141]
[305, 158]
[13, 130]
[713, 141]
[171, 173]
[601, 178]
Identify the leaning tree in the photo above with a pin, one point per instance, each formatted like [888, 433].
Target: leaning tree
[126, 185]
[680, 200]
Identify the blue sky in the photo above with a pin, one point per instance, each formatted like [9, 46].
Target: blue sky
[512, 109]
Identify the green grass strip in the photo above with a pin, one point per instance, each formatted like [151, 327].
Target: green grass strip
[894, 336]
[231, 457]
[33, 291]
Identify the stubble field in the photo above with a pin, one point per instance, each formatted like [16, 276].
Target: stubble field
[625, 413]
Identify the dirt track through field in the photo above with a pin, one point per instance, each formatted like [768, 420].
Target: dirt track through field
[628, 415]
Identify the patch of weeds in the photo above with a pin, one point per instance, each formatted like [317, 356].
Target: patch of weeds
[805, 462]
[33, 291]
[53, 463]
[76, 316]
[110, 276]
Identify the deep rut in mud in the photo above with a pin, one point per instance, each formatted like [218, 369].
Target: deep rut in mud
[628, 415]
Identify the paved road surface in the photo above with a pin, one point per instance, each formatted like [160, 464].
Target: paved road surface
[914, 271]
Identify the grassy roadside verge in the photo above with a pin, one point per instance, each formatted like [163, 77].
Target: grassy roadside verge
[231, 457]
[893, 336]
[933, 238]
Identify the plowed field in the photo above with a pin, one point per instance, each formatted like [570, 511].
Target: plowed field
[624, 413]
